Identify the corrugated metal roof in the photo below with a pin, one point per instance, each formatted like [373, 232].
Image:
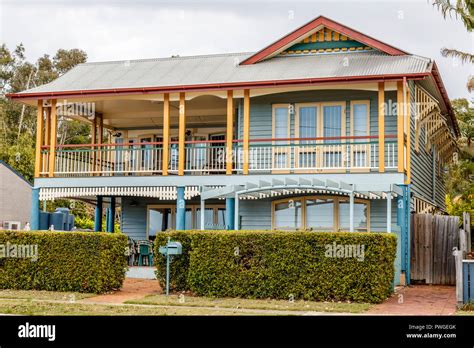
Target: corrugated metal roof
[225, 68]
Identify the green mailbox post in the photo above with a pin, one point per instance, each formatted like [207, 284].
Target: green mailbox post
[171, 248]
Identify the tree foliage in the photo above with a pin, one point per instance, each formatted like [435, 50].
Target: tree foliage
[463, 9]
[18, 121]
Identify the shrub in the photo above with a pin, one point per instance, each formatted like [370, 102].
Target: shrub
[283, 265]
[67, 261]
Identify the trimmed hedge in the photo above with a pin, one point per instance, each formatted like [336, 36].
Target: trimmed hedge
[67, 261]
[282, 265]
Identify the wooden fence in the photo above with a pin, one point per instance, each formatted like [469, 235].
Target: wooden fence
[433, 238]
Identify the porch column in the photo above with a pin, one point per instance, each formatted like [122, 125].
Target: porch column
[182, 133]
[107, 219]
[381, 127]
[400, 130]
[35, 210]
[39, 138]
[53, 137]
[236, 210]
[203, 214]
[111, 217]
[408, 129]
[180, 209]
[166, 133]
[230, 132]
[351, 212]
[246, 136]
[98, 215]
[230, 213]
[389, 212]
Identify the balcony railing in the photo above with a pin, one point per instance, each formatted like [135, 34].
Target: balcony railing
[210, 157]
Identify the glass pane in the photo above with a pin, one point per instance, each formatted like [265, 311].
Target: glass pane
[332, 125]
[159, 219]
[281, 123]
[360, 216]
[359, 120]
[307, 126]
[320, 214]
[288, 215]
[188, 222]
[221, 218]
[208, 218]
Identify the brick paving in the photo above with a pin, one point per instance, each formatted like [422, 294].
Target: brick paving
[419, 300]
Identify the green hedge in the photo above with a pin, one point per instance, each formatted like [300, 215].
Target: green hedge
[67, 261]
[283, 265]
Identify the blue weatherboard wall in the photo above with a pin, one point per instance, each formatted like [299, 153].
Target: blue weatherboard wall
[261, 110]
[35, 209]
[427, 182]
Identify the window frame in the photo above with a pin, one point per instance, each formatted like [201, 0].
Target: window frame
[194, 208]
[287, 150]
[352, 148]
[336, 221]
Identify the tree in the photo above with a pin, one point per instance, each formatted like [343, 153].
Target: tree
[18, 121]
[463, 9]
[465, 116]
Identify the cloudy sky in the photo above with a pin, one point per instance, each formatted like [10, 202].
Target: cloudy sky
[126, 29]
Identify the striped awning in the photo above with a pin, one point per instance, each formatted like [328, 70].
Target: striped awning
[160, 192]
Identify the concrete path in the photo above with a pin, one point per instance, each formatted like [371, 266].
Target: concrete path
[419, 300]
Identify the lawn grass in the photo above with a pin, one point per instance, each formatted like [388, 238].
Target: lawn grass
[31, 307]
[264, 304]
[43, 295]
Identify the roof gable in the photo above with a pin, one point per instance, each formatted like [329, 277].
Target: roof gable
[322, 35]
[325, 40]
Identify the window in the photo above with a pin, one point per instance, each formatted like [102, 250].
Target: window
[281, 130]
[163, 217]
[360, 127]
[288, 215]
[320, 213]
[360, 216]
[333, 126]
[307, 127]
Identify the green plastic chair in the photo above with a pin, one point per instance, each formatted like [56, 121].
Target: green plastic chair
[145, 252]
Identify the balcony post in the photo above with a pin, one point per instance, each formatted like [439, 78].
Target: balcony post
[93, 142]
[246, 137]
[182, 133]
[229, 213]
[381, 127]
[408, 128]
[166, 133]
[230, 132]
[98, 215]
[100, 137]
[39, 138]
[180, 209]
[400, 127]
[47, 126]
[53, 138]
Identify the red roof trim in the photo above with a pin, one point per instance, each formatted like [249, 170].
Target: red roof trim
[279, 44]
[210, 87]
